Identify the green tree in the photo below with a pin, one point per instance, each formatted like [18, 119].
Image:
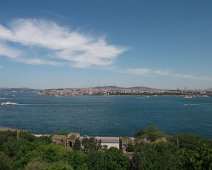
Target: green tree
[60, 165]
[77, 144]
[96, 161]
[36, 164]
[90, 145]
[195, 152]
[79, 160]
[5, 162]
[43, 140]
[111, 159]
[11, 146]
[130, 147]
[160, 156]
[4, 137]
[55, 153]
[22, 160]
[25, 135]
[62, 133]
[151, 133]
[115, 160]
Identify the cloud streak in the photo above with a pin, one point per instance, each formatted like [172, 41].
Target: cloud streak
[44, 42]
[8, 52]
[55, 45]
[148, 72]
[138, 71]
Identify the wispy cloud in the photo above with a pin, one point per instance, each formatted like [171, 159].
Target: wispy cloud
[161, 72]
[148, 71]
[138, 71]
[193, 77]
[38, 61]
[7, 51]
[45, 42]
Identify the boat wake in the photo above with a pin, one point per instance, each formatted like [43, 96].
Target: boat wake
[42, 104]
[197, 104]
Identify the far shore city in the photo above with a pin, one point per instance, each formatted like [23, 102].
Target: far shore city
[114, 90]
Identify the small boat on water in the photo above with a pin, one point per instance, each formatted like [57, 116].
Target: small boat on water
[188, 97]
[8, 103]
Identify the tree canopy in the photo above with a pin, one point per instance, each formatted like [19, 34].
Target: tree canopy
[26, 152]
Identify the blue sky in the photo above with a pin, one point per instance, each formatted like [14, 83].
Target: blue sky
[78, 43]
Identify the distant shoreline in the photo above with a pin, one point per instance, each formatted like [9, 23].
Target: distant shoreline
[120, 91]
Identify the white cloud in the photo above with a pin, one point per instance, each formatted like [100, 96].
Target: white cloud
[148, 71]
[161, 72]
[192, 77]
[59, 42]
[8, 52]
[38, 61]
[139, 71]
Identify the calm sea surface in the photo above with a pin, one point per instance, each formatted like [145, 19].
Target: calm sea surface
[107, 115]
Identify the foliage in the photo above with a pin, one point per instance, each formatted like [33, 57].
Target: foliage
[111, 159]
[179, 152]
[96, 161]
[25, 135]
[5, 162]
[11, 146]
[90, 145]
[160, 156]
[23, 159]
[195, 152]
[37, 164]
[130, 147]
[115, 160]
[4, 137]
[151, 133]
[62, 133]
[79, 160]
[42, 140]
[55, 153]
[60, 165]
[77, 144]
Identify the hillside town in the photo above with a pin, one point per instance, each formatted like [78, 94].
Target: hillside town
[113, 90]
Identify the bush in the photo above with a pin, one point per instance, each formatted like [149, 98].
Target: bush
[150, 133]
[5, 162]
[59, 166]
[160, 156]
[37, 164]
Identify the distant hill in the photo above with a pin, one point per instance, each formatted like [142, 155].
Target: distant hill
[141, 87]
[116, 87]
[17, 89]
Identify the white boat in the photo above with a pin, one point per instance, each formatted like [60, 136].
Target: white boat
[8, 103]
[188, 97]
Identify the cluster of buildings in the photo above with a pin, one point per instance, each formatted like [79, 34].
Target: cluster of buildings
[113, 90]
[107, 142]
[106, 90]
[69, 139]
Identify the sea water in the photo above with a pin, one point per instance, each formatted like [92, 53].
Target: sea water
[106, 115]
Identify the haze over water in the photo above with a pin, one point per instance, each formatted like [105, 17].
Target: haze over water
[107, 115]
